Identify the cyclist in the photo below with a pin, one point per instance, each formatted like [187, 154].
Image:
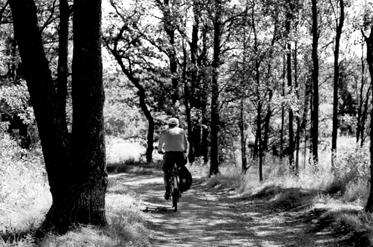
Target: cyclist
[174, 145]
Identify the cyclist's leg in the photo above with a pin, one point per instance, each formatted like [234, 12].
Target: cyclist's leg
[180, 159]
[167, 168]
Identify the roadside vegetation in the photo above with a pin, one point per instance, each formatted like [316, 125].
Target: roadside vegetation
[331, 200]
[25, 199]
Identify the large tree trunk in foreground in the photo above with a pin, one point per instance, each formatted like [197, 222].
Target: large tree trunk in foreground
[43, 96]
[88, 139]
[77, 175]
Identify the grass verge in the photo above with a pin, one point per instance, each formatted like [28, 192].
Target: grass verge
[25, 198]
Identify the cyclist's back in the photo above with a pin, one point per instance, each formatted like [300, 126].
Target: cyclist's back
[173, 143]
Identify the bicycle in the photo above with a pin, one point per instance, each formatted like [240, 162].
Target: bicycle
[174, 184]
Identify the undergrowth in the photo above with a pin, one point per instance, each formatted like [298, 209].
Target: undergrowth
[24, 194]
[341, 191]
[25, 198]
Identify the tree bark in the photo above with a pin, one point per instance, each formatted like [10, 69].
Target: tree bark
[363, 104]
[364, 115]
[259, 142]
[190, 87]
[43, 98]
[369, 42]
[289, 15]
[62, 68]
[303, 124]
[336, 82]
[215, 118]
[188, 106]
[78, 179]
[243, 136]
[268, 115]
[88, 138]
[315, 80]
[282, 130]
[296, 84]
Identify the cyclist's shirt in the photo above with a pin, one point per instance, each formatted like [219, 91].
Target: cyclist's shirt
[173, 140]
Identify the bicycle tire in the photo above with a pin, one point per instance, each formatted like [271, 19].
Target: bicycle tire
[175, 192]
[175, 199]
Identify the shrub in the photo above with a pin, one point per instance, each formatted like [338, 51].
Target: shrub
[351, 175]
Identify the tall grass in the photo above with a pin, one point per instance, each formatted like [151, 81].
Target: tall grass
[348, 179]
[125, 227]
[340, 191]
[24, 193]
[25, 199]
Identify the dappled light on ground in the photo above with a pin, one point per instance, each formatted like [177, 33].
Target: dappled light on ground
[217, 217]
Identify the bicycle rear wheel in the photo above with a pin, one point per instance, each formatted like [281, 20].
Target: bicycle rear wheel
[175, 198]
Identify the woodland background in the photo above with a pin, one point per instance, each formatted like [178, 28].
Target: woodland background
[279, 90]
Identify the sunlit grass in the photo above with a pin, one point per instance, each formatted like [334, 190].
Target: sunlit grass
[24, 194]
[121, 151]
[340, 191]
[125, 227]
[25, 199]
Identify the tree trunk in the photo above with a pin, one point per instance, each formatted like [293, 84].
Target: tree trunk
[202, 61]
[62, 69]
[282, 130]
[289, 15]
[303, 125]
[243, 136]
[205, 136]
[297, 137]
[336, 82]
[315, 80]
[360, 97]
[43, 96]
[268, 115]
[188, 90]
[215, 118]
[364, 116]
[258, 141]
[242, 123]
[267, 120]
[188, 107]
[77, 181]
[88, 138]
[369, 42]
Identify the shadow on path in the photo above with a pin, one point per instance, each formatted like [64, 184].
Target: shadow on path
[215, 217]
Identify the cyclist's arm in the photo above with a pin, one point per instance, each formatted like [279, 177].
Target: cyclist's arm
[160, 144]
[186, 143]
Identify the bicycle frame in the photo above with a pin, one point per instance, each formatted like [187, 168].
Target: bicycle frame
[175, 191]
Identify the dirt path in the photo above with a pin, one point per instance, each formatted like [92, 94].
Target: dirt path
[217, 217]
